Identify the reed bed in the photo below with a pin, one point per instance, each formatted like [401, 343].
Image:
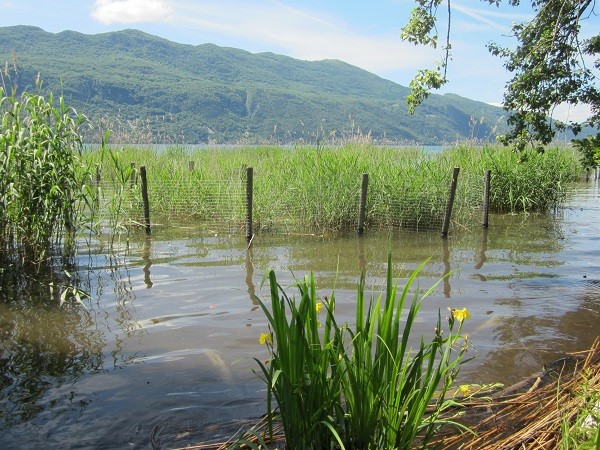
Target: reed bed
[316, 189]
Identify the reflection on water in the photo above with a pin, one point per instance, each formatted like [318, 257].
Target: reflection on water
[163, 349]
[249, 265]
[42, 346]
[148, 261]
[481, 258]
[446, 259]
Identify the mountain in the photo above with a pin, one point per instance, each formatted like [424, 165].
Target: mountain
[145, 85]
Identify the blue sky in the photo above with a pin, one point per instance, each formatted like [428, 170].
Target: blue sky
[363, 33]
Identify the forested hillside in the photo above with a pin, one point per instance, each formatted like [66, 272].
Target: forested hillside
[149, 89]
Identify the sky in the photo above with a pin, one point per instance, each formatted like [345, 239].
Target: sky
[362, 33]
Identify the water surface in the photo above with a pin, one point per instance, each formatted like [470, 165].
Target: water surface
[163, 349]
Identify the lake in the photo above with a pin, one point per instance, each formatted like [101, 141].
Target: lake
[163, 349]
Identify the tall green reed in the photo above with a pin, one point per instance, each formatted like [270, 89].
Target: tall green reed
[530, 181]
[363, 387]
[116, 196]
[42, 175]
[580, 430]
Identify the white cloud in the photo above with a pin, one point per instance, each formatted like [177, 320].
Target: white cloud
[480, 17]
[572, 113]
[131, 11]
[303, 34]
[310, 33]
[567, 113]
[493, 18]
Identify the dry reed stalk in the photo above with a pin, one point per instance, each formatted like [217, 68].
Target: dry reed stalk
[258, 430]
[533, 420]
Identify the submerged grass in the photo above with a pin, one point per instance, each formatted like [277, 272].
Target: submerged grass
[317, 188]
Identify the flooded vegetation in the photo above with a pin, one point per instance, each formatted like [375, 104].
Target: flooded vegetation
[164, 344]
[307, 189]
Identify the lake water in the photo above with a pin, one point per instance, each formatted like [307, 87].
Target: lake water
[162, 351]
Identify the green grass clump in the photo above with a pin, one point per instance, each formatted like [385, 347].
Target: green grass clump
[582, 429]
[363, 387]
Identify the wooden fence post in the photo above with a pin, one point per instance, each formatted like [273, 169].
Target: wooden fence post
[144, 182]
[249, 190]
[133, 176]
[362, 207]
[486, 198]
[97, 181]
[98, 175]
[450, 202]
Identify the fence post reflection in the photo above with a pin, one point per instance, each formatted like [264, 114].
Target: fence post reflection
[446, 259]
[481, 256]
[250, 276]
[148, 261]
[362, 261]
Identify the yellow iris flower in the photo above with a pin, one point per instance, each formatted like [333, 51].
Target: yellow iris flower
[319, 307]
[461, 314]
[265, 338]
[464, 389]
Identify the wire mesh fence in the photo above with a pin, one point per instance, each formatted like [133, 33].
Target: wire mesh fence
[221, 205]
[425, 210]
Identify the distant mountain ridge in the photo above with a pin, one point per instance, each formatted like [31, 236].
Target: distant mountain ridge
[194, 94]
